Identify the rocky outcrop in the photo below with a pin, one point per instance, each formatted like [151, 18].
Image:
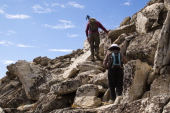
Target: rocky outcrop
[126, 21]
[73, 84]
[135, 77]
[31, 76]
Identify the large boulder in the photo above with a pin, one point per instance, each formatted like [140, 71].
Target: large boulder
[135, 79]
[113, 34]
[160, 86]
[86, 66]
[50, 102]
[148, 17]
[147, 105]
[69, 85]
[87, 102]
[87, 90]
[86, 96]
[126, 21]
[30, 75]
[100, 79]
[143, 47]
[91, 73]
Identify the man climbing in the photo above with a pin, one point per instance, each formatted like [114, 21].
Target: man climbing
[113, 62]
[93, 36]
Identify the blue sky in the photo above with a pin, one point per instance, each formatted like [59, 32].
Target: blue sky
[52, 28]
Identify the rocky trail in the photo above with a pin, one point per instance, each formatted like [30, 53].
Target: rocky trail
[73, 84]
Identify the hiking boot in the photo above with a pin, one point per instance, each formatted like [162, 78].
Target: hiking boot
[118, 99]
[111, 101]
[98, 57]
[92, 58]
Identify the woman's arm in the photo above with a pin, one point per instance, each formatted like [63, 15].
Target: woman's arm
[123, 58]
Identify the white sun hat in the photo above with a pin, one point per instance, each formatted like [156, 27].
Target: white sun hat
[114, 46]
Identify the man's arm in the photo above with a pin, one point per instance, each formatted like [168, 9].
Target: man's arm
[102, 27]
[87, 30]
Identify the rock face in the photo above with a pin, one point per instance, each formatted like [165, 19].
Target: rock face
[73, 84]
[136, 74]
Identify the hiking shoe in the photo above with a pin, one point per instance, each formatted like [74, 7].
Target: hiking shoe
[118, 99]
[98, 57]
[111, 101]
[92, 58]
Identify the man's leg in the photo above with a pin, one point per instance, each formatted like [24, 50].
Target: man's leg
[91, 42]
[97, 42]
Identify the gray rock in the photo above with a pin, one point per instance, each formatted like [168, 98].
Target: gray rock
[30, 75]
[70, 85]
[86, 66]
[1, 110]
[166, 108]
[71, 110]
[126, 21]
[153, 105]
[114, 34]
[135, 78]
[87, 90]
[160, 86]
[100, 79]
[87, 102]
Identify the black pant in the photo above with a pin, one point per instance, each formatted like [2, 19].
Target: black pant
[115, 76]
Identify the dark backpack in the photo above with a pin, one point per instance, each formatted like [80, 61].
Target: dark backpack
[114, 60]
[93, 25]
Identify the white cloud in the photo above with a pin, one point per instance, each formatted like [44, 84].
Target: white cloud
[39, 9]
[76, 5]
[8, 43]
[4, 6]
[46, 4]
[73, 35]
[65, 21]
[61, 50]
[6, 62]
[17, 16]
[127, 3]
[10, 31]
[65, 25]
[57, 4]
[73, 4]
[60, 26]
[1, 11]
[21, 45]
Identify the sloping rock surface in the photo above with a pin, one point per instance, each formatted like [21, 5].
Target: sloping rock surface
[73, 84]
